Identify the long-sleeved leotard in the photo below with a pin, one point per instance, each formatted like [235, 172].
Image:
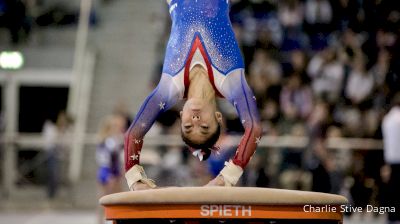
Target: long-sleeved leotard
[201, 34]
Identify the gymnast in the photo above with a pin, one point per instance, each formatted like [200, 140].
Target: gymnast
[202, 62]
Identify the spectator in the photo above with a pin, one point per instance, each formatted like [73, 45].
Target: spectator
[318, 12]
[381, 68]
[55, 136]
[269, 37]
[16, 20]
[270, 112]
[291, 14]
[296, 99]
[360, 83]
[264, 74]
[379, 71]
[298, 65]
[346, 14]
[108, 156]
[108, 153]
[292, 175]
[318, 18]
[326, 73]
[384, 194]
[391, 139]
[264, 64]
[349, 119]
[316, 157]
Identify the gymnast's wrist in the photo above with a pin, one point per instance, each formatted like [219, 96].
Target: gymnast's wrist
[231, 173]
[135, 175]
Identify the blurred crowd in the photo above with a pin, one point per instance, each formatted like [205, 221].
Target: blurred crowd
[323, 69]
[303, 55]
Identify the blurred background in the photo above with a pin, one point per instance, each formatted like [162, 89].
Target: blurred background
[73, 73]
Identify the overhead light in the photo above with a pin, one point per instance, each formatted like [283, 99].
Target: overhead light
[11, 60]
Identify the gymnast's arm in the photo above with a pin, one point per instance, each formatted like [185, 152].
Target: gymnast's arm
[163, 97]
[237, 91]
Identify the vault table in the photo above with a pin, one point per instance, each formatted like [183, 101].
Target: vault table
[197, 205]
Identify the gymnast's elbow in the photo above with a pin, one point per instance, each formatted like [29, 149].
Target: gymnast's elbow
[255, 128]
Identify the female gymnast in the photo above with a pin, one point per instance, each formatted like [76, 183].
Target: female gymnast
[111, 136]
[202, 62]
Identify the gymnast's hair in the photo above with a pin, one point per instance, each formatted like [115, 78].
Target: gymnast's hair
[205, 146]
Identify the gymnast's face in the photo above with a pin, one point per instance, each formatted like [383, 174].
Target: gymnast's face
[199, 120]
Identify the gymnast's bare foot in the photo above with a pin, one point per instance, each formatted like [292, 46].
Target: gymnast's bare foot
[217, 181]
[139, 186]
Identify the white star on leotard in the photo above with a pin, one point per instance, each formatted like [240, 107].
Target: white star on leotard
[243, 121]
[254, 98]
[137, 141]
[162, 105]
[258, 139]
[135, 157]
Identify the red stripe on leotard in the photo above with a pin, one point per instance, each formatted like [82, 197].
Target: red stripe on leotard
[197, 44]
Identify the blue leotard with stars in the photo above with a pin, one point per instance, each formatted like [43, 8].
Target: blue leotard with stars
[208, 21]
[201, 34]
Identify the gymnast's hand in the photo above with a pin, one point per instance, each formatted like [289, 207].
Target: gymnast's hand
[137, 179]
[217, 181]
[139, 186]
